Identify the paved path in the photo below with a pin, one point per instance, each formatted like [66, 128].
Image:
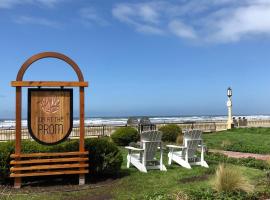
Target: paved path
[234, 154]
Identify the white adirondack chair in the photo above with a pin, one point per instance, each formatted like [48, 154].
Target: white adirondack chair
[186, 155]
[144, 158]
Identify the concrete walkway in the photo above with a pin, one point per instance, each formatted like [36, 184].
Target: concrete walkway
[234, 154]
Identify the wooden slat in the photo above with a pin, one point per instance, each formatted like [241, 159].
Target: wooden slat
[13, 175]
[48, 84]
[57, 166]
[29, 155]
[19, 162]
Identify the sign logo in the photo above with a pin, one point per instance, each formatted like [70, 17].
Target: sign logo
[50, 104]
[50, 114]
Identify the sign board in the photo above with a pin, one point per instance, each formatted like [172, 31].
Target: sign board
[50, 114]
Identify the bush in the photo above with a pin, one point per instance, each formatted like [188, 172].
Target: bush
[170, 132]
[229, 179]
[104, 156]
[125, 135]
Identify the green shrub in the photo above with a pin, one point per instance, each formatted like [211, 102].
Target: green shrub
[104, 156]
[170, 132]
[125, 135]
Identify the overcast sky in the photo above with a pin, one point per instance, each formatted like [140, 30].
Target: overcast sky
[171, 57]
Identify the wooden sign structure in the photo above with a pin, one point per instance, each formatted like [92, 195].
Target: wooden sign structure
[50, 122]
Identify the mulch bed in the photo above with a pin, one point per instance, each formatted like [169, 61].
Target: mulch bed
[203, 177]
[234, 154]
[56, 185]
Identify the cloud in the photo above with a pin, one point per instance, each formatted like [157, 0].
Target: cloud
[181, 30]
[8, 4]
[48, 3]
[147, 12]
[90, 16]
[37, 21]
[242, 22]
[157, 17]
[148, 29]
[218, 21]
[143, 16]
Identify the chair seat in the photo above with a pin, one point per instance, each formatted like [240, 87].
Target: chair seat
[138, 157]
[135, 156]
[178, 153]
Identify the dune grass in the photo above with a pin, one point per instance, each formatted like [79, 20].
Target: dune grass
[251, 140]
[229, 179]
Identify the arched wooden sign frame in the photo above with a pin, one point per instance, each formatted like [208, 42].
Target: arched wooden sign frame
[18, 157]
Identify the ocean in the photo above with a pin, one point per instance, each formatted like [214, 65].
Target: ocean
[7, 123]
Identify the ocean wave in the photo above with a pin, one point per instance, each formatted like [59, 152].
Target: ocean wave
[123, 121]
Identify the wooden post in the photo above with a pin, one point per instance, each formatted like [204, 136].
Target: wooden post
[17, 181]
[81, 176]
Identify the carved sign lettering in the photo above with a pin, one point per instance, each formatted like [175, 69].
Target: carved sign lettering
[50, 114]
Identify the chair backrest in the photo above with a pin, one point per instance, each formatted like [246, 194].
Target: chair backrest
[191, 140]
[150, 141]
[192, 135]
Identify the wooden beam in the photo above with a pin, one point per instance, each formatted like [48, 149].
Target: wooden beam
[81, 176]
[29, 155]
[42, 55]
[17, 181]
[50, 173]
[81, 119]
[48, 84]
[52, 166]
[55, 160]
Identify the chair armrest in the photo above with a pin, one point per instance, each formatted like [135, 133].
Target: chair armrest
[201, 145]
[163, 148]
[146, 141]
[194, 139]
[175, 146]
[133, 148]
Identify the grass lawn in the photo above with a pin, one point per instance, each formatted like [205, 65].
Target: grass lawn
[157, 185]
[154, 185]
[252, 140]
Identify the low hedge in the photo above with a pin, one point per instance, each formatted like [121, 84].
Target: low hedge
[125, 135]
[170, 132]
[105, 159]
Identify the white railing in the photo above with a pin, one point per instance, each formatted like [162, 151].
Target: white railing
[107, 130]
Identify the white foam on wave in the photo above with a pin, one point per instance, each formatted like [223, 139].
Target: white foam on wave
[4, 124]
